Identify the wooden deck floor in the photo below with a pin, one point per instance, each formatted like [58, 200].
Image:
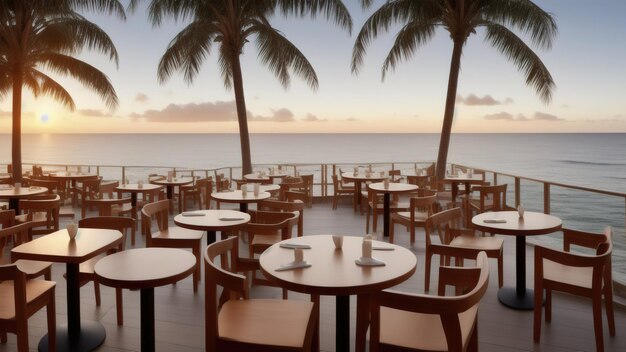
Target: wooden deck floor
[180, 320]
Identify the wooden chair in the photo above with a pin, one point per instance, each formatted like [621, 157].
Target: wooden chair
[375, 207]
[420, 208]
[197, 192]
[462, 242]
[88, 189]
[578, 274]
[234, 322]
[20, 233]
[172, 237]
[43, 211]
[308, 188]
[418, 322]
[21, 298]
[340, 189]
[296, 207]
[86, 272]
[490, 198]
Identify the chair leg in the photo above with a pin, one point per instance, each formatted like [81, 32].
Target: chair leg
[22, 335]
[47, 275]
[196, 273]
[608, 301]
[119, 306]
[472, 345]
[96, 291]
[52, 323]
[315, 345]
[285, 293]
[3, 336]
[596, 303]
[427, 257]
[500, 271]
[391, 231]
[334, 201]
[362, 321]
[548, 305]
[537, 311]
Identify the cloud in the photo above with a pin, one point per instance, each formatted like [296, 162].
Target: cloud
[192, 112]
[474, 100]
[508, 100]
[280, 115]
[313, 118]
[141, 97]
[352, 119]
[93, 113]
[546, 117]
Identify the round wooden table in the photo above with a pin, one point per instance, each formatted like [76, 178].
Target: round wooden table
[255, 177]
[393, 187]
[76, 335]
[145, 269]
[134, 189]
[334, 272]
[465, 179]
[531, 224]
[211, 221]
[237, 196]
[169, 187]
[15, 194]
[358, 179]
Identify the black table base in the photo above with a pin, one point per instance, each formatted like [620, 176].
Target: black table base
[342, 319]
[147, 319]
[91, 336]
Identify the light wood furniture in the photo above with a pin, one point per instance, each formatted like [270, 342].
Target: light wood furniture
[234, 322]
[21, 234]
[121, 224]
[43, 211]
[417, 322]
[89, 189]
[171, 237]
[490, 198]
[212, 221]
[462, 179]
[15, 194]
[169, 188]
[145, 269]
[21, 298]
[237, 196]
[334, 272]
[392, 188]
[531, 224]
[296, 207]
[340, 189]
[458, 243]
[420, 208]
[148, 191]
[57, 247]
[579, 274]
[359, 179]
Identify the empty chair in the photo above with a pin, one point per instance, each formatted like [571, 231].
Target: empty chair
[234, 322]
[89, 189]
[490, 198]
[463, 242]
[267, 228]
[420, 208]
[340, 189]
[376, 206]
[296, 207]
[21, 298]
[86, 272]
[417, 322]
[170, 236]
[43, 211]
[579, 274]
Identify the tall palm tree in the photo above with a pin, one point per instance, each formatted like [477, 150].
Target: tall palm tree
[461, 18]
[46, 35]
[232, 24]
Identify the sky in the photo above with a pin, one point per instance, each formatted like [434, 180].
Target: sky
[586, 62]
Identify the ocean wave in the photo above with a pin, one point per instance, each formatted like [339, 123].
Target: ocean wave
[591, 163]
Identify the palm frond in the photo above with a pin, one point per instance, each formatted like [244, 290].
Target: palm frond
[176, 9]
[187, 51]
[86, 74]
[30, 82]
[525, 16]
[280, 55]
[333, 10]
[109, 7]
[53, 89]
[226, 67]
[527, 62]
[408, 39]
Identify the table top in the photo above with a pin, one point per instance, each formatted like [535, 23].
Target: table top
[374, 177]
[394, 187]
[133, 187]
[210, 221]
[21, 192]
[263, 188]
[334, 272]
[57, 246]
[266, 176]
[71, 175]
[173, 182]
[236, 196]
[533, 223]
[476, 178]
[145, 267]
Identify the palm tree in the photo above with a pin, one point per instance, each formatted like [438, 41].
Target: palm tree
[232, 24]
[461, 18]
[37, 35]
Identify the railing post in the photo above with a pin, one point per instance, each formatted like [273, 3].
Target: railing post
[518, 192]
[546, 198]
[123, 174]
[495, 178]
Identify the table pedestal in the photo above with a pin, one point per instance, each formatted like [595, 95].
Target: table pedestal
[520, 297]
[342, 319]
[147, 319]
[386, 201]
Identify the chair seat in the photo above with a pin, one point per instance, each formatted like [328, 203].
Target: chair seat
[33, 268]
[177, 233]
[475, 203]
[86, 267]
[126, 208]
[266, 240]
[34, 289]
[419, 215]
[484, 243]
[419, 331]
[575, 276]
[265, 321]
[39, 219]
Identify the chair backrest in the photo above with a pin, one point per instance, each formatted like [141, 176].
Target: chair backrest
[497, 195]
[119, 223]
[21, 233]
[104, 206]
[52, 185]
[48, 204]
[425, 204]
[108, 188]
[159, 211]
[271, 223]
[7, 218]
[441, 223]
[601, 243]
[423, 182]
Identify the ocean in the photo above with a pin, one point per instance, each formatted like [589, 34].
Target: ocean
[587, 160]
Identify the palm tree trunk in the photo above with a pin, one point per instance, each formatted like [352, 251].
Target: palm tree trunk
[242, 116]
[16, 141]
[453, 80]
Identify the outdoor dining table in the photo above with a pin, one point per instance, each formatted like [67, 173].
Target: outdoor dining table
[76, 335]
[267, 177]
[69, 179]
[465, 179]
[358, 179]
[238, 196]
[14, 194]
[510, 223]
[169, 187]
[334, 272]
[212, 220]
[134, 189]
[145, 269]
[392, 187]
